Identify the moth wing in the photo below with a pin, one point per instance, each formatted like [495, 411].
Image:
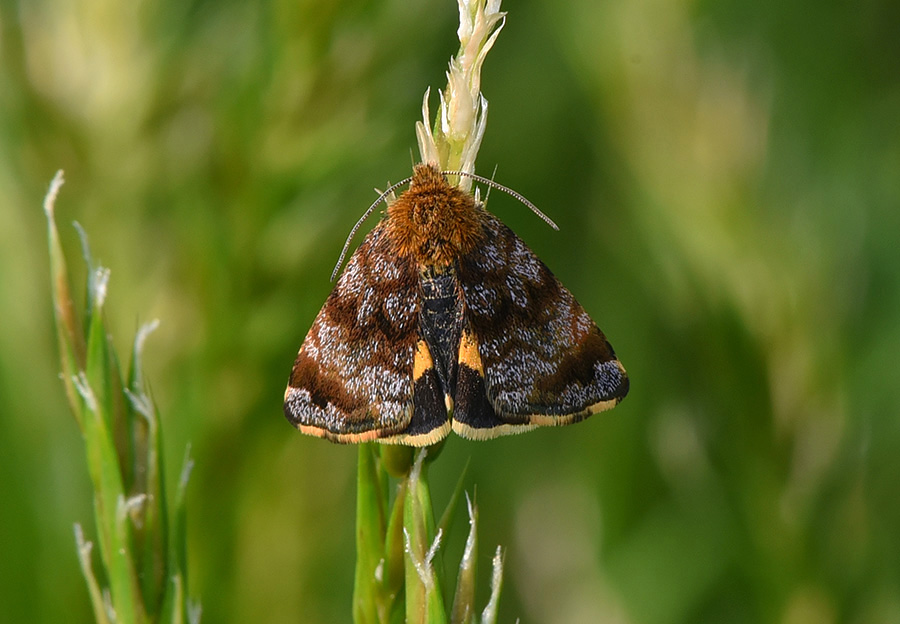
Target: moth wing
[362, 373]
[529, 355]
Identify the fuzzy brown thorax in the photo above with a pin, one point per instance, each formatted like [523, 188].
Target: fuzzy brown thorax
[433, 221]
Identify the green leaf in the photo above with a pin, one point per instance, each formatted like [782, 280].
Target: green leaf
[370, 534]
[464, 599]
[489, 615]
[394, 558]
[68, 327]
[151, 525]
[84, 558]
[175, 608]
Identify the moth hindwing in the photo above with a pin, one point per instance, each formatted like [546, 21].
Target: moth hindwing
[443, 318]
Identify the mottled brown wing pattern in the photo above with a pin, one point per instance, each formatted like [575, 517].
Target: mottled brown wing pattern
[353, 379]
[529, 355]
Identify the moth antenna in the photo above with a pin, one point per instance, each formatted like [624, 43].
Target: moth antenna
[506, 190]
[362, 219]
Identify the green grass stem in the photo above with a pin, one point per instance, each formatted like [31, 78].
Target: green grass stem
[142, 560]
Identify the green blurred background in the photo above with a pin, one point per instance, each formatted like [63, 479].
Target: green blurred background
[726, 176]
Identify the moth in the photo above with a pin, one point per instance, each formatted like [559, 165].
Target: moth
[444, 319]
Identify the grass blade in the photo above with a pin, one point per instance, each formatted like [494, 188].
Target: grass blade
[370, 534]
